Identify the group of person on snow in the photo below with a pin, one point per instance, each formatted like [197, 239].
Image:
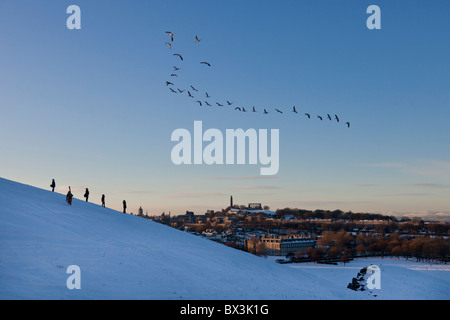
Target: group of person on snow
[69, 196]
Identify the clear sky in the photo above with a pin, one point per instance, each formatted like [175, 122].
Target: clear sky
[90, 107]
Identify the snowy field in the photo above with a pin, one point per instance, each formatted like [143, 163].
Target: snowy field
[126, 257]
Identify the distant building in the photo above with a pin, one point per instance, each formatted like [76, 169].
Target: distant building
[140, 211]
[254, 206]
[282, 245]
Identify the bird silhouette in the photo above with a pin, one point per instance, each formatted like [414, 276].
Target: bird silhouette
[168, 83]
[207, 103]
[181, 91]
[194, 88]
[308, 115]
[278, 111]
[190, 95]
[265, 111]
[169, 45]
[172, 90]
[220, 105]
[178, 55]
[254, 110]
[329, 117]
[204, 62]
[173, 75]
[337, 118]
[348, 124]
[229, 103]
[243, 109]
[319, 117]
[197, 39]
[175, 68]
[207, 95]
[237, 108]
[293, 109]
[199, 103]
[170, 34]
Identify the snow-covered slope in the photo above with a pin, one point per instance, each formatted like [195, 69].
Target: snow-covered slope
[127, 257]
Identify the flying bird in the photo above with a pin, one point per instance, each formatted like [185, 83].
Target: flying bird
[329, 117]
[220, 105]
[237, 108]
[319, 117]
[293, 109]
[197, 39]
[194, 88]
[254, 110]
[308, 115]
[169, 45]
[207, 103]
[199, 103]
[204, 62]
[181, 91]
[190, 95]
[265, 111]
[179, 55]
[168, 82]
[337, 118]
[175, 68]
[243, 109]
[348, 124]
[170, 34]
[278, 111]
[172, 90]
[229, 103]
[207, 95]
[173, 75]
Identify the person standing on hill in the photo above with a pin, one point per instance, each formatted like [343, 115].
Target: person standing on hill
[103, 200]
[124, 206]
[53, 185]
[86, 194]
[69, 197]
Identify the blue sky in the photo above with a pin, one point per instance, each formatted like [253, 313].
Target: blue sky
[90, 107]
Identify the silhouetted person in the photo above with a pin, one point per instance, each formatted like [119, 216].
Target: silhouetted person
[86, 194]
[103, 200]
[53, 185]
[69, 197]
[124, 206]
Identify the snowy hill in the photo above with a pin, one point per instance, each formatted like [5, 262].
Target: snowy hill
[126, 257]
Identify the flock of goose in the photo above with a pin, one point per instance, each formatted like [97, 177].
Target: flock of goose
[202, 102]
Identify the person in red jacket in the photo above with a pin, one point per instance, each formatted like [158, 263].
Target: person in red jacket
[69, 197]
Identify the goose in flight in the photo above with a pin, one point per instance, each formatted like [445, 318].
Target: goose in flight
[278, 111]
[172, 90]
[199, 103]
[178, 55]
[190, 95]
[254, 110]
[194, 88]
[337, 118]
[308, 115]
[175, 68]
[168, 82]
[170, 34]
[243, 109]
[180, 91]
[329, 117]
[229, 103]
[207, 95]
[169, 45]
[197, 39]
[265, 111]
[348, 124]
[237, 108]
[207, 103]
[204, 62]
[293, 109]
[220, 105]
[319, 117]
[173, 75]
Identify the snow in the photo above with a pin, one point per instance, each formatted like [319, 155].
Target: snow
[127, 257]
